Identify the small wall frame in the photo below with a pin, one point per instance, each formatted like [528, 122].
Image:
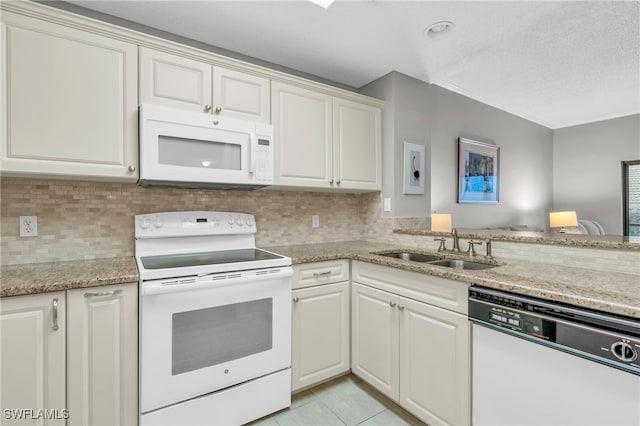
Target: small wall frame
[478, 172]
[414, 168]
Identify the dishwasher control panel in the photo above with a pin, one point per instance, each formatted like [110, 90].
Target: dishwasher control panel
[606, 339]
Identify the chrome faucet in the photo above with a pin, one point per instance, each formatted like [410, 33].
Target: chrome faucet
[456, 243]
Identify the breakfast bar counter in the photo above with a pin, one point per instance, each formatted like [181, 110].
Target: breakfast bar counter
[612, 292]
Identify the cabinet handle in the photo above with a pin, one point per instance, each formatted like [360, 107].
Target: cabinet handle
[131, 168]
[400, 307]
[218, 109]
[104, 293]
[55, 314]
[317, 275]
[338, 182]
[296, 299]
[392, 304]
[207, 108]
[331, 182]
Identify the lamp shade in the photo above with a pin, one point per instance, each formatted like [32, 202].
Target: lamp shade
[562, 219]
[441, 222]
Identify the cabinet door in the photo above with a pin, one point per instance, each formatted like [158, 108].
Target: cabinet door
[102, 348]
[174, 81]
[434, 363]
[302, 129]
[240, 95]
[374, 338]
[32, 332]
[70, 106]
[356, 145]
[320, 334]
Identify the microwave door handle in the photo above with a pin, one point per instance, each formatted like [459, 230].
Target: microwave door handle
[252, 153]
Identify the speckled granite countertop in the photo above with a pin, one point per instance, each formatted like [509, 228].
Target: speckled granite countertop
[574, 240]
[33, 278]
[604, 291]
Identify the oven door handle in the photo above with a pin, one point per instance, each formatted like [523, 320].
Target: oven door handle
[211, 281]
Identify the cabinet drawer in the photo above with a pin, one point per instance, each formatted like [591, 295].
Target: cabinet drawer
[311, 274]
[437, 291]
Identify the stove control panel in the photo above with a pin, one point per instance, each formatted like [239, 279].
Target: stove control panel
[190, 223]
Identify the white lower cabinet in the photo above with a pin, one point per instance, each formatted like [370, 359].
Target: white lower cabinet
[102, 355]
[414, 352]
[71, 356]
[32, 332]
[320, 323]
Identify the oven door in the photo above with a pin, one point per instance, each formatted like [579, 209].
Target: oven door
[183, 146]
[199, 335]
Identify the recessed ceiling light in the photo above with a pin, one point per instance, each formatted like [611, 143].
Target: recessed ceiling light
[323, 3]
[438, 28]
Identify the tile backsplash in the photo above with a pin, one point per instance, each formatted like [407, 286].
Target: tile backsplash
[87, 220]
[91, 220]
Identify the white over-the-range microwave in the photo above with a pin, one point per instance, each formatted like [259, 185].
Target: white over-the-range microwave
[199, 150]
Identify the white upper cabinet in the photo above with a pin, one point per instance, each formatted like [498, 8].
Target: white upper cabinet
[180, 82]
[302, 125]
[69, 102]
[325, 142]
[174, 81]
[357, 145]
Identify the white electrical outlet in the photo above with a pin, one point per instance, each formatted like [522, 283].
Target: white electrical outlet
[387, 204]
[315, 221]
[28, 226]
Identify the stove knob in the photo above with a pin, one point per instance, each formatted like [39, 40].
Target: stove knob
[157, 222]
[250, 221]
[239, 221]
[145, 223]
[624, 351]
[231, 221]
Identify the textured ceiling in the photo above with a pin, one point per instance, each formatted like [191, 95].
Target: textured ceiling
[556, 63]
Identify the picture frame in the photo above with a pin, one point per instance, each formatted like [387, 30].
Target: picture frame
[414, 168]
[478, 172]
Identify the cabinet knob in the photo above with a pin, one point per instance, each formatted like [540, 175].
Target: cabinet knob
[331, 182]
[338, 183]
[131, 168]
[296, 299]
[392, 304]
[218, 109]
[400, 307]
[207, 108]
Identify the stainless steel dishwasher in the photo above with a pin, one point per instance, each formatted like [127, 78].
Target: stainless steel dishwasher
[536, 362]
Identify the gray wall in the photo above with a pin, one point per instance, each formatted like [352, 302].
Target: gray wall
[587, 168]
[406, 117]
[418, 111]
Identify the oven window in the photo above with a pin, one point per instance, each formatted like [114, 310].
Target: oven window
[211, 336]
[198, 153]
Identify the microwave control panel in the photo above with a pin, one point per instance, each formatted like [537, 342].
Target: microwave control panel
[264, 161]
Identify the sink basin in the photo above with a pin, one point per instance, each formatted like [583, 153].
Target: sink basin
[461, 264]
[414, 257]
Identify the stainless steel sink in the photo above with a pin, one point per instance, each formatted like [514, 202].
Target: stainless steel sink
[461, 264]
[414, 257]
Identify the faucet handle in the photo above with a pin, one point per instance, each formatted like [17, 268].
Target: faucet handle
[472, 250]
[488, 246]
[442, 246]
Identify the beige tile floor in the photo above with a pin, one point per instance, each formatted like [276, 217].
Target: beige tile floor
[346, 400]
